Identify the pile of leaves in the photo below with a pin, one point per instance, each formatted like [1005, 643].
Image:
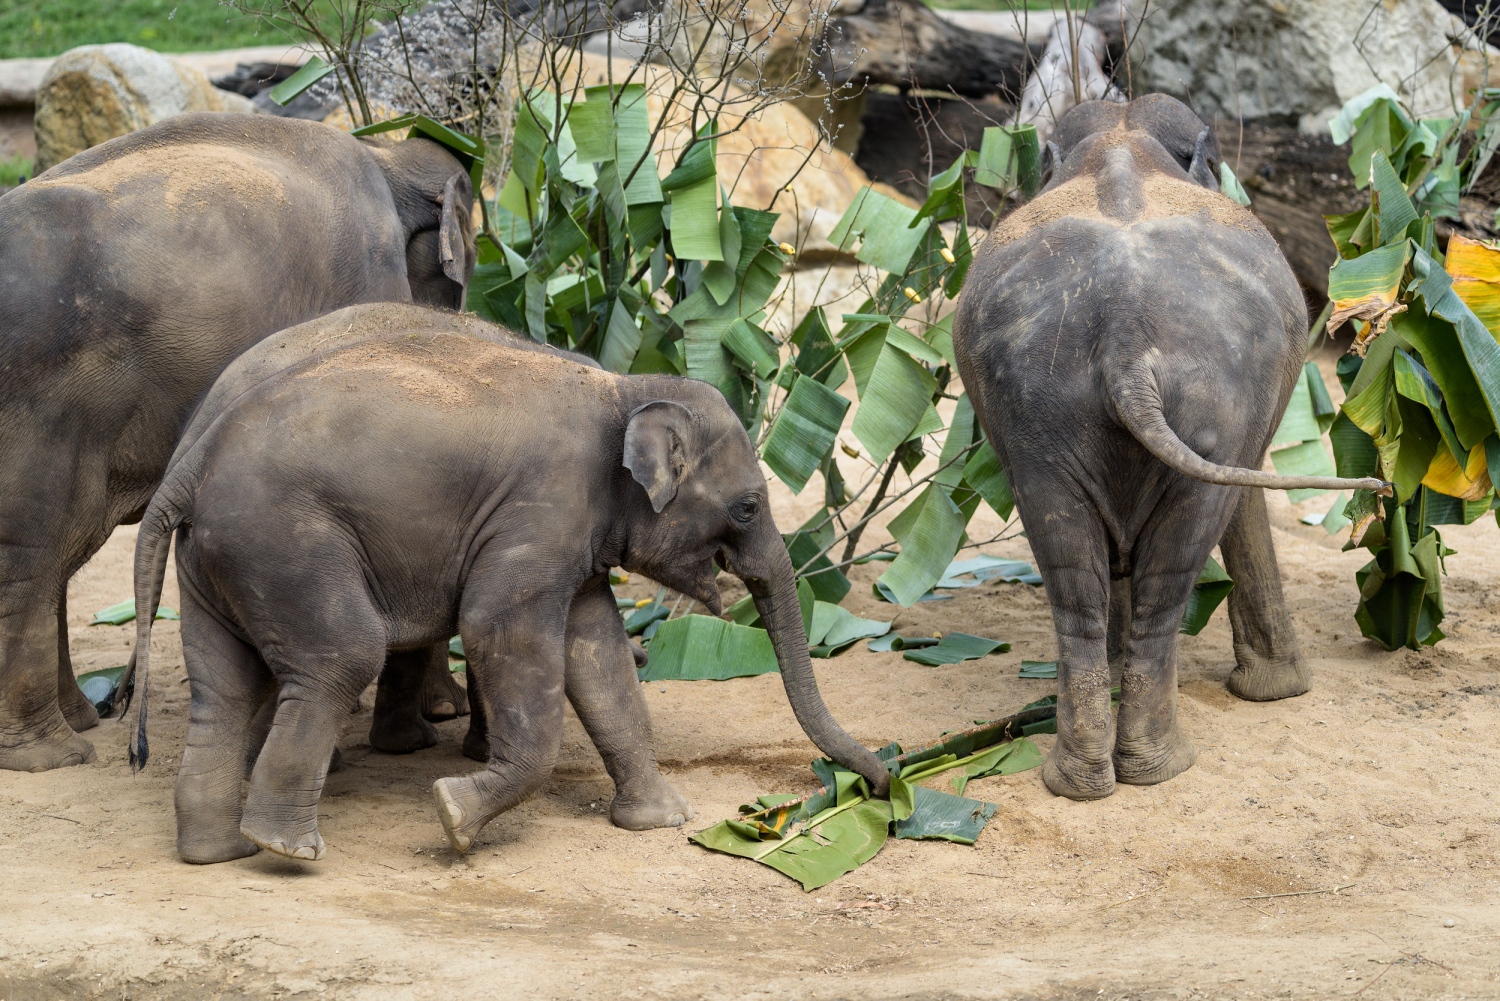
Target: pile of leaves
[1422, 381]
[817, 838]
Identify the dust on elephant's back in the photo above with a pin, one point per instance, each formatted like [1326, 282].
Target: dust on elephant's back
[464, 373]
[188, 176]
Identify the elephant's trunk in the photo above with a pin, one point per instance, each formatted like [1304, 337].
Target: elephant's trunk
[775, 594]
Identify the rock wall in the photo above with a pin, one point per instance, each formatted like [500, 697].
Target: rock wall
[1300, 60]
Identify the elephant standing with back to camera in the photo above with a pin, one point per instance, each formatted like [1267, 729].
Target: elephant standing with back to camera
[1130, 339]
[130, 276]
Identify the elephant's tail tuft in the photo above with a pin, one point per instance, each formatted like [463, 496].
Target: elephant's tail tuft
[1136, 397]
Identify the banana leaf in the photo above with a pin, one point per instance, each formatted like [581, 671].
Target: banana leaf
[1307, 459]
[888, 232]
[898, 394]
[1393, 208]
[942, 816]
[828, 584]
[835, 628]
[983, 473]
[704, 648]
[1039, 669]
[891, 641]
[1212, 588]
[1230, 187]
[1401, 597]
[933, 539]
[1366, 288]
[293, 86]
[123, 612]
[954, 648]
[101, 688]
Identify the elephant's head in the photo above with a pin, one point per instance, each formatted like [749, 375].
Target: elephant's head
[1164, 120]
[436, 204]
[696, 498]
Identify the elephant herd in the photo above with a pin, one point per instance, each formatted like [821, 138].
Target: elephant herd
[241, 332]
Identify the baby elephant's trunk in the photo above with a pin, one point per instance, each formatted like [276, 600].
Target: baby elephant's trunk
[1137, 400]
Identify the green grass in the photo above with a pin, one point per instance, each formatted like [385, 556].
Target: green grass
[13, 169]
[49, 27]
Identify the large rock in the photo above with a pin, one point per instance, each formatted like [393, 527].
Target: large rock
[1300, 60]
[96, 92]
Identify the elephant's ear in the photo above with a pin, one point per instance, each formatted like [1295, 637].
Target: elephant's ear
[655, 449]
[1205, 161]
[456, 234]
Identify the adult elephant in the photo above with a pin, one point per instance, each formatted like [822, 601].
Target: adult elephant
[1130, 339]
[130, 276]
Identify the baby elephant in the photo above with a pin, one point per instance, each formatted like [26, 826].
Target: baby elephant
[373, 498]
[1130, 339]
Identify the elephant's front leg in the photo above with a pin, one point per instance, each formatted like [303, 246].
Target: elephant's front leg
[605, 691]
[398, 726]
[1268, 663]
[516, 655]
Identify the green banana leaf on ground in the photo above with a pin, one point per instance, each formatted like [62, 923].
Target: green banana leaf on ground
[817, 838]
[123, 612]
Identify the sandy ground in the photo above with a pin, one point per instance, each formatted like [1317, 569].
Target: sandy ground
[1381, 782]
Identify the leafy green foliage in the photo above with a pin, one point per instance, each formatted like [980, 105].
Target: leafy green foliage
[1423, 388]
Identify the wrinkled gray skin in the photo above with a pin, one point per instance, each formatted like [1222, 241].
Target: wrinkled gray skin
[130, 275]
[416, 687]
[1130, 340]
[378, 497]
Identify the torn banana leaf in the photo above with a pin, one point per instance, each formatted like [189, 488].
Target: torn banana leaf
[1307, 459]
[1212, 588]
[1038, 668]
[101, 687]
[118, 615]
[804, 431]
[704, 648]
[835, 628]
[984, 568]
[955, 648]
[933, 538]
[817, 838]
[884, 593]
[1366, 288]
[1401, 595]
[891, 641]
[883, 228]
[637, 621]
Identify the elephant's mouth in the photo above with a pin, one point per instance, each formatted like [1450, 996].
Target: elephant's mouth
[720, 560]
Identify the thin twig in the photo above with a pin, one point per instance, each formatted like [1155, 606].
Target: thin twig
[1298, 893]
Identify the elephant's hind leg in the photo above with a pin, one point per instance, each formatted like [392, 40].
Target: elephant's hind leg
[76, 709]
[322, 668]
[230, 685]
[606, 693]
[1071, 552]
[1267, 662]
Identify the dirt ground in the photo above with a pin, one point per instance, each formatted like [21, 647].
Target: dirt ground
[1380, 783]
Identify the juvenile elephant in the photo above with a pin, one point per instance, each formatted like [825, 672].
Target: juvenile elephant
[1130, 339]
[130, 275]
[413, 682]
[373, 498]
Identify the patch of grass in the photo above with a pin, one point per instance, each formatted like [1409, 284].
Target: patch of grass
[29, 28]
[13, 170]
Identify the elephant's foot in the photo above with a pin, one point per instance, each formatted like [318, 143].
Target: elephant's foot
[402, 733]
[1265, 679]
[646, 805]
[460, 807]
[299, 841]
[1078, 776]
[477, 745]
[1147, 760]
[57, 748]
[207, 851]
[443, 698]
[77, 709]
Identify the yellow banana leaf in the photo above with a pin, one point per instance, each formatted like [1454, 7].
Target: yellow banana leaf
[1469, 483]
[1475, 268]
[1366, 288]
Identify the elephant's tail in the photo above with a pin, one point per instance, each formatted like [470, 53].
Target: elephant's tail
[1136, 396]
[168, 509]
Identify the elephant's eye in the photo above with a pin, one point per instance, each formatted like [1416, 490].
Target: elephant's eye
[745, 509]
